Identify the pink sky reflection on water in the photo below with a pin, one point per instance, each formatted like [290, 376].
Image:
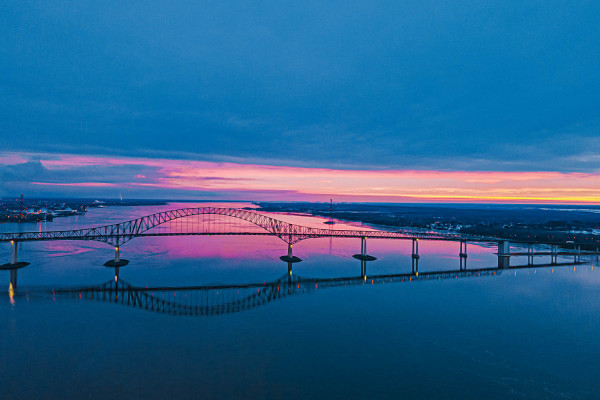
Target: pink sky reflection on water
[261, 248]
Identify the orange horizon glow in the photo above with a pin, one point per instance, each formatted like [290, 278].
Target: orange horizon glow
[319, 184]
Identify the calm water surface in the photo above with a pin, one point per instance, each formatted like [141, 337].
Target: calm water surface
[531, 333]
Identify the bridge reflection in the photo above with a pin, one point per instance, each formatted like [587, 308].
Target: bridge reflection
[225, 299]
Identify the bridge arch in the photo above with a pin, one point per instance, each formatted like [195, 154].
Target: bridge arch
[125, 231]
[119, 233]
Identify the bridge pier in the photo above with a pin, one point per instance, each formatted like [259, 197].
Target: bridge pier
[14, 252]
[415, 256]
[290, 258]
[463, 254]
[118, 261]
[14, 264]
[503, 254]
[530, 255]
[363, 256]
[554, 255]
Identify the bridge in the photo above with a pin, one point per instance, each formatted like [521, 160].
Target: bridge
[118, 234]
[121, 233]
[225, 299]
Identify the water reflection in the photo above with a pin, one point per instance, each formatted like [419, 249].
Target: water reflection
[11, 293]
[214, 300]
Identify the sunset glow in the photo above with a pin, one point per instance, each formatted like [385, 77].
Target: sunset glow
[237, 180]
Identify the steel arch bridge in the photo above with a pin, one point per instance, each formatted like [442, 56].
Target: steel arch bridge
[117, 234]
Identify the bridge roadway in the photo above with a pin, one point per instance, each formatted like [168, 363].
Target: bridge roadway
[222, 299]
[117, 234]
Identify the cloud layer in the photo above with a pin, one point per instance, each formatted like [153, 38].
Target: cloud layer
[415, 84]
[80, 175]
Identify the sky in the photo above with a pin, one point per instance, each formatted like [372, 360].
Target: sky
[407, 101]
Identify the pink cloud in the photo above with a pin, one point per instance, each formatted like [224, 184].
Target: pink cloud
[296, 183]
[76, 184]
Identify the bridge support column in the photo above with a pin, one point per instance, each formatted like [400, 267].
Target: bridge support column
[415, 256]
[554, 255]
[503, 254]
[117, 262]
[14, 252]
[14, 259]
[463, 254]
[290, 258]
[577, 256]
[14, 263]
[363, 257]
[530, 255]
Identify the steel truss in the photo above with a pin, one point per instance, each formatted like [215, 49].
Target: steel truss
[117, 234]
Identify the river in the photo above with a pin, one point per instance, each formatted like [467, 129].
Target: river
[527, 333]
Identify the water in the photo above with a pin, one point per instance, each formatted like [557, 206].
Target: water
[530, 333]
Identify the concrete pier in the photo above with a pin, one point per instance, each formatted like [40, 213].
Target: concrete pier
[14, 263]
[363, 256]
[14, 252]
[118, 261]
[554, 255]
[415, 256]
[463, 255]
[290, 257]
[463, 249]
[503, 254]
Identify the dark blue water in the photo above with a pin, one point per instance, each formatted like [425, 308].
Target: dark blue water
[530, 333]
